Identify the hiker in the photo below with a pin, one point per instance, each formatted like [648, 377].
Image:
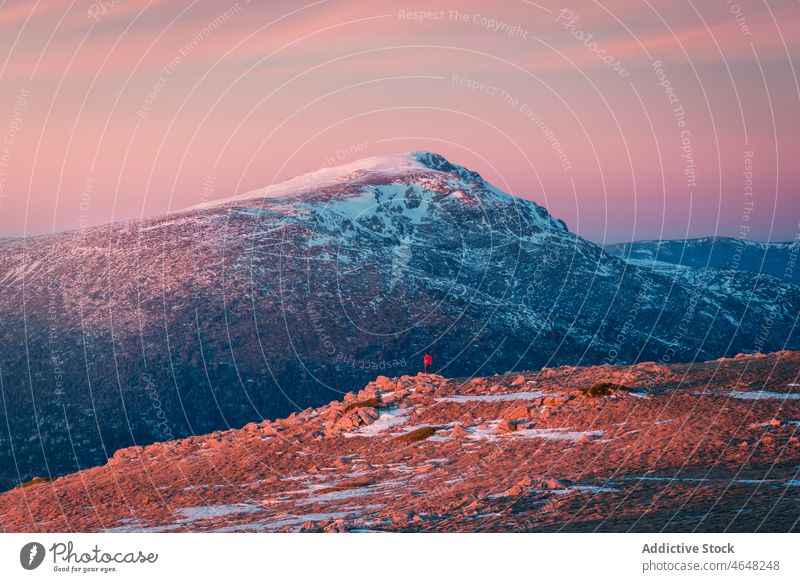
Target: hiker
[427, 361]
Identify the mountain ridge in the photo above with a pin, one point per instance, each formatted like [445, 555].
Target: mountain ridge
[770, 258]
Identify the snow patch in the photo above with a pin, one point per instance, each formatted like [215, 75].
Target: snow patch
[191, 514]
[558, 434]
[493, 397]
[388, 419]
[286, 521]
[764, 395]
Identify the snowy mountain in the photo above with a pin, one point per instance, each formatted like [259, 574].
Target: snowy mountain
[284, 298]
[724, 253]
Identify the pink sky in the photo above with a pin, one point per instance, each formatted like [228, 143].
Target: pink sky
[253, 92]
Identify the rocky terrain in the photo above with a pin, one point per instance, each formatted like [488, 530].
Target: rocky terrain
[284, 298]
[707, 446]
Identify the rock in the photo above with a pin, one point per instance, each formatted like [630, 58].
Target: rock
[337, 526]
[505, 426]
[514, 491]
[525, 482]
[128, 454]
[367, 393]
[368, 415]
[555, 400]
[550, 484]
[775, 423]
[474, 506]
[385, 383]
[516, 412]
[518, 381]
[34, 481]
[459, 432]
[399, 518]
[214, 443]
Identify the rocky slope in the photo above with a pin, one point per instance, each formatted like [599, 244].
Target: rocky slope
[702, 447]
[286, 297]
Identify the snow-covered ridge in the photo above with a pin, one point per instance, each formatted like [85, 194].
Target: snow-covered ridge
[387, 195]
[375, 169]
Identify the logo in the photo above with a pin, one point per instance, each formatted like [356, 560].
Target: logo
[31, 555]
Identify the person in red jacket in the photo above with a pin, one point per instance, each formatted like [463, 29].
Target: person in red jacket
[427, 361]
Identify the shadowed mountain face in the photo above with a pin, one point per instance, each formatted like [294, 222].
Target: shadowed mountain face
[776, 259]
[281, 300]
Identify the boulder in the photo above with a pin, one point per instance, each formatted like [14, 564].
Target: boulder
[337, 526]
[505, 426]
[514, 491]
[459, 432]
[517, 412]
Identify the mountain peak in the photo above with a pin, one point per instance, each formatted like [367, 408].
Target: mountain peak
[378, 169]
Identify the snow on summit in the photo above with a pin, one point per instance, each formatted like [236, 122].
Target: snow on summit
[402, 168]
[388, 195]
